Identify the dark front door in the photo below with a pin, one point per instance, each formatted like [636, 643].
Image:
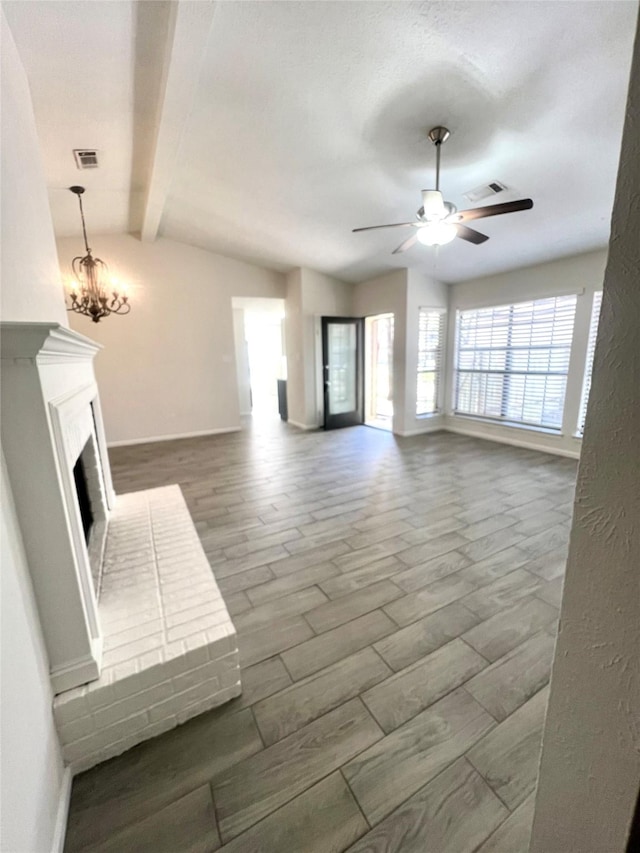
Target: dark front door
[343, 361]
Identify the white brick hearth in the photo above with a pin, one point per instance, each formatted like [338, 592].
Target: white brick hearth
[170, 648]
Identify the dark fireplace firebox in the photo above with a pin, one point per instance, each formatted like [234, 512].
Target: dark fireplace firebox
[82, 491]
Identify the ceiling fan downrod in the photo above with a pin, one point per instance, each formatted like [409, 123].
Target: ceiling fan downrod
[438, 135]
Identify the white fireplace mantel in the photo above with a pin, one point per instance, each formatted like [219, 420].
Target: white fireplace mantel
[46, 342]
[50, 410]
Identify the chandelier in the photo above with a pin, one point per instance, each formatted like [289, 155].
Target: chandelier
[93, 293]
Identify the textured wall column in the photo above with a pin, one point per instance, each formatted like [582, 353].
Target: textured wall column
[590, 767]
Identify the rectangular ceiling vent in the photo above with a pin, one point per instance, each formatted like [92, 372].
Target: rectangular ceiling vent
[86, 158]
[485, 191]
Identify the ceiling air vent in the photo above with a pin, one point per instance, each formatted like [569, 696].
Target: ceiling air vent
[86, 158]
[485, 191]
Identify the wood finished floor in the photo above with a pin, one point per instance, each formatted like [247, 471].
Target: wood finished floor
[396, 604]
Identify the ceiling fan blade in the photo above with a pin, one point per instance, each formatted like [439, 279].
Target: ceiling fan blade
[492, 210]
[470, 235]
[393, 225]
[408, 243]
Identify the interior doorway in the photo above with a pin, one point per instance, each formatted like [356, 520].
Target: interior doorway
[260, 354]
[378, 394]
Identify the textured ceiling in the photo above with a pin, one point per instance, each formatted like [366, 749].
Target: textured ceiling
[310, 119]
[93, 70]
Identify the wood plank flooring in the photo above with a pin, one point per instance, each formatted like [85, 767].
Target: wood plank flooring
[396, 603]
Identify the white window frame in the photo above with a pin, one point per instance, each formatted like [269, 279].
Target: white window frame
[596, 307]
[438, 371]
[510, 421]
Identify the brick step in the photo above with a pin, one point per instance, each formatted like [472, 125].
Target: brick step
[170, 647]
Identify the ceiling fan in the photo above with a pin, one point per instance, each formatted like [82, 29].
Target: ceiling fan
[438, 221]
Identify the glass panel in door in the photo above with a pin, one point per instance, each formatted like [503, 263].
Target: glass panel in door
[342, 361]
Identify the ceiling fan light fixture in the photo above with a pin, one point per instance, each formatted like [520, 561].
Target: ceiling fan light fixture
[433, 204]
[436, 234]
[438, 222]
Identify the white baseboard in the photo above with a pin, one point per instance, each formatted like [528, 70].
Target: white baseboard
[153, 438]
[62, 812]
[515, 442]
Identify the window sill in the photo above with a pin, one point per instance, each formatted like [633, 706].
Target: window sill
[428, 416]
[510, 424]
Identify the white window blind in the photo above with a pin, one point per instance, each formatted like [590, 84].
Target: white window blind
[588, 368]
[512, 361]
[430, 338]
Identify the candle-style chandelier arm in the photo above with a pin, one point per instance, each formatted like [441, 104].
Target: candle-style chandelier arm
[91, 294]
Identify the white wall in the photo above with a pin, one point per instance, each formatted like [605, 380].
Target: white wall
[590, 768]
[154, 385]
[32, 774]
[581, 274]
[32, 777]
[169, 367]
[31, 288]
[382, 295]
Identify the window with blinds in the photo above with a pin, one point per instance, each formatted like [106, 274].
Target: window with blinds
[588, 368]
[512, 361]
[430, 338]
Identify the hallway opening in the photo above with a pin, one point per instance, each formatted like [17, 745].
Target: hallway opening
[258, 326]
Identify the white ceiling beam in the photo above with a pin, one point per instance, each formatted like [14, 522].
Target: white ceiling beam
[188, 32]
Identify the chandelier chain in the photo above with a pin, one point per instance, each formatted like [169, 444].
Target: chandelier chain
[84, 227]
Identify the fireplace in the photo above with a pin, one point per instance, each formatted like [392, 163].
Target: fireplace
[132, 652]
[57, 459]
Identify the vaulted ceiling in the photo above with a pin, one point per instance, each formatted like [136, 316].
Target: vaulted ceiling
[266, 131]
